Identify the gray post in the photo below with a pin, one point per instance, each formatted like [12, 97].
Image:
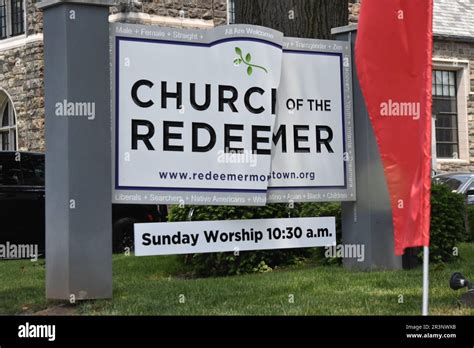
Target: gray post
[78, 149]
[368, 221]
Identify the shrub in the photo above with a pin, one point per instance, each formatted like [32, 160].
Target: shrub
[448, 228]
[325, 209]
[470, 223]
[219, 264]
[447, 222]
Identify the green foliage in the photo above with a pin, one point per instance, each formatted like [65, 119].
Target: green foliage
[325, 209]
[448, 228]
[470, 221]
[218, 264]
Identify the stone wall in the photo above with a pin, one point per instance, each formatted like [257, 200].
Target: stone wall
[354, 10]
[21, 77]
[22, 68]
[208, 10]
[34, 18]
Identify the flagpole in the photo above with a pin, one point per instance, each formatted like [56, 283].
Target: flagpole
[426, 281]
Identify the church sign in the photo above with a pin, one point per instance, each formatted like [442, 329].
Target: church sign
[236, 115]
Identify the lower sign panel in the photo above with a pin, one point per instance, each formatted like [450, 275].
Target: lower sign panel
[233, 235]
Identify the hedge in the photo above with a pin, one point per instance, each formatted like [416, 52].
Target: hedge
[219, 264]
[448, 228]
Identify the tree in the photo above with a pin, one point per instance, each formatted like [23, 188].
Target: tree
[298, 18]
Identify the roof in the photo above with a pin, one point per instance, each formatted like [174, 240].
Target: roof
[454, 19]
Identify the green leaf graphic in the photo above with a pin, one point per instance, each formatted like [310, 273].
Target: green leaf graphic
[248, 57]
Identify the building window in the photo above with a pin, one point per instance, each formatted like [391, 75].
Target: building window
[446, 113]
[7, 127]
[3, 19]
[17, 17]
[230, 11]
[12, 18]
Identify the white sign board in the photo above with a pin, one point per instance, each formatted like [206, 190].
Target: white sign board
[194, 112]
[236, 115]
[233, 235]
[312, 155]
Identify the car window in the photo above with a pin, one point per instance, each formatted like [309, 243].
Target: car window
[471, 186]
[33, 170]
[10, 173]
[453, 182]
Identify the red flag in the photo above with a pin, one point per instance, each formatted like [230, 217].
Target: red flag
[393, 59]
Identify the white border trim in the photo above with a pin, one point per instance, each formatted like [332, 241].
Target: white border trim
[451, 161]
[18, 41]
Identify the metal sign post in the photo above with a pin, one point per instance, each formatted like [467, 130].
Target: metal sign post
[368, 221]
[78, 159]
[78, 174]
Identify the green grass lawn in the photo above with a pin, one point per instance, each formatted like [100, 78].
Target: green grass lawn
[155, 286]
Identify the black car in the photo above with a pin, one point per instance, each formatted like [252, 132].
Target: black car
[22, 204]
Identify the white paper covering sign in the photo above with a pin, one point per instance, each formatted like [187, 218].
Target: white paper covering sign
[312, 155]
[233, 235]
[194, 112]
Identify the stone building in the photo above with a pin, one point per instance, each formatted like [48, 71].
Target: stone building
[21, 67]
[453, 82]
[21, 76]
